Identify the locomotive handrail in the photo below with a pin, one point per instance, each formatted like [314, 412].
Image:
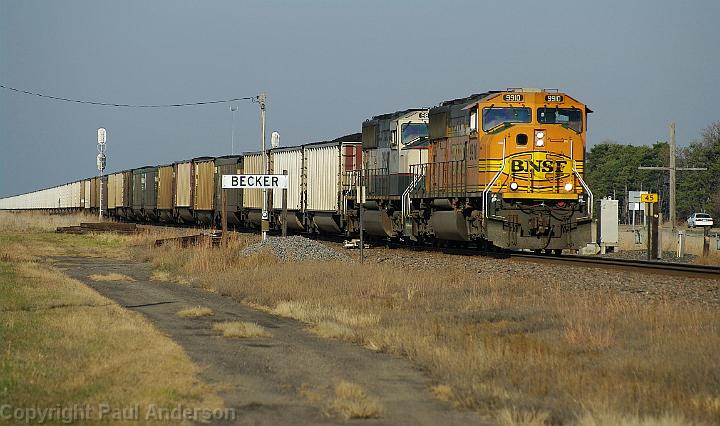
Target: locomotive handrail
[492, 182]
[582, 182]
[587, 189]
[405, 206]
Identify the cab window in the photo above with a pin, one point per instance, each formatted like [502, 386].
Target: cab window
[493, 117]
[567, 117]
[412, 132]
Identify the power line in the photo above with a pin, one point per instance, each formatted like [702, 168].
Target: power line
[111, 104]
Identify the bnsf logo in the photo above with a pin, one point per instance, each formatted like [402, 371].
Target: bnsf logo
[538, 166]
[541, 166]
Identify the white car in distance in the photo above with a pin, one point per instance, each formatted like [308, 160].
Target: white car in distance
[699, 219]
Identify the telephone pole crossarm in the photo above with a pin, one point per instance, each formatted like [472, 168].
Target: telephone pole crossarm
[673, 170]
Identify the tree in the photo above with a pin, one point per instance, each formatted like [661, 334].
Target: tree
[699, 191]
[612, 169]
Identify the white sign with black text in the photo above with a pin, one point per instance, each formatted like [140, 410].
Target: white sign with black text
[254, 181]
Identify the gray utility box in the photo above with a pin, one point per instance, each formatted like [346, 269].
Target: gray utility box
[609, 224]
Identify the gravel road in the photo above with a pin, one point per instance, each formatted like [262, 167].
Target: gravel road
[263, 378]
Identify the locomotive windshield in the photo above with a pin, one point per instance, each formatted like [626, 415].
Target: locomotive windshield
[568, 117]
[493, 117]
[413, 131]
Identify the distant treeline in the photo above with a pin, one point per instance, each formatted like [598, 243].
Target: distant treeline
[612, 170]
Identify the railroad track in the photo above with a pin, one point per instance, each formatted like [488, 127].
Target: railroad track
[656, 267]
[664, 268]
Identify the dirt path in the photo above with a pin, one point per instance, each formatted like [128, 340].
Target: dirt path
[262, 377]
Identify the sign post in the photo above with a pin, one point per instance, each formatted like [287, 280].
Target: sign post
[284, 208]
[265, 216]
[652, 238]
[224, 217]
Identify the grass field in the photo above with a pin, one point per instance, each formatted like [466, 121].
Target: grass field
[64, 345]
[518, 352]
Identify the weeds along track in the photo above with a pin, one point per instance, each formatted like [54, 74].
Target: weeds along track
[655, 267]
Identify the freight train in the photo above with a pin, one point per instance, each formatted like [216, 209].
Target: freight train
[496, 169]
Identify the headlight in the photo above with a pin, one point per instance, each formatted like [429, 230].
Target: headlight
[539, 138]
[568, 186]
[514, 186]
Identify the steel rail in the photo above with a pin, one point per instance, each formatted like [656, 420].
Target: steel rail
[667, 268]
[657, 267]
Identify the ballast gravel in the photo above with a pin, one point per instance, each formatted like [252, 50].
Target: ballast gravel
[296, 248]
[646, 286]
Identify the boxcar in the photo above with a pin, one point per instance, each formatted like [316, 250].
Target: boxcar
[124, 204]
[289, 160]
[228, 165]
[112, 190]
[144, 200]
[95, 193]
[184, 186]
[204, 193]
[326, 164]
[253, 164]
[166, 192]
[75, 189]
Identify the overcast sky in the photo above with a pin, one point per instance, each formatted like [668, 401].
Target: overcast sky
[326, 66]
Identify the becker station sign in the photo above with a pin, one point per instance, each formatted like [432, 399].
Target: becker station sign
[254, 181]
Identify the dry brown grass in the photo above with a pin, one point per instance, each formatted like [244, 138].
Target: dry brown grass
[506, 345]
[333, 330]
[31, 236]
[63, 343]
[161, 276]
[240, 329]
[514, 417]
[442, 392]
[39, 221]
[603, 418]
[113, 276]
[195, 312]
[352, 402]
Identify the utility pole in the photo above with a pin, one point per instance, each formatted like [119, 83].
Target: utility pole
[265, 222]
[673, 212]
[101, 161]
[233, 108]
[673, 170]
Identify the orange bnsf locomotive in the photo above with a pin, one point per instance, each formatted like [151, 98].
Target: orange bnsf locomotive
[505, 168]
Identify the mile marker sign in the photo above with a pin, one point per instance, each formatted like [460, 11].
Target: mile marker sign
[254, 181]
[648, 198]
